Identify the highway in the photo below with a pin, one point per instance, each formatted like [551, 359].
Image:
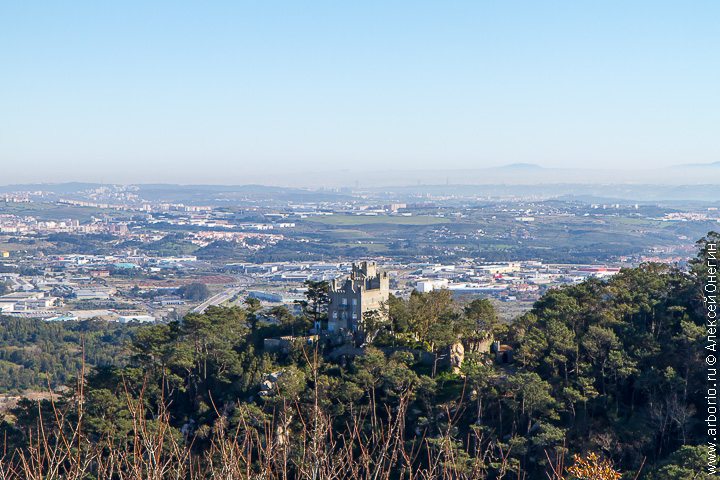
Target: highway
[218, 299]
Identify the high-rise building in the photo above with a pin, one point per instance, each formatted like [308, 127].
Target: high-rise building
[366, 289]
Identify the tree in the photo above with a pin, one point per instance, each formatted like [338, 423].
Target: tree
[316, 300]
[195, 292]
[372, 322]
[593, 467]
[688, 462]
[484, 315]
[290, 384]
[253, 306]
[284, 317]
[426, 310]
[534, 397]
[699, 264]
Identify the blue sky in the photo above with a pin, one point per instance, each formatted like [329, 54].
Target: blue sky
[236, 91]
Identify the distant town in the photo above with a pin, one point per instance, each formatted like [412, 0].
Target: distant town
[154, 253]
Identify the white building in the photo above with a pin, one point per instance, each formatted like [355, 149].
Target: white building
[425, 286]
[136, 318]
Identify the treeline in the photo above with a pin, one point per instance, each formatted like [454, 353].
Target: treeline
[195, 291]
[86, 244]
[35, 354]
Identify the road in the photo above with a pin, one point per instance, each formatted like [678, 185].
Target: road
[218, 299]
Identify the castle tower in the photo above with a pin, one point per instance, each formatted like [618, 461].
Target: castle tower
[364, 290]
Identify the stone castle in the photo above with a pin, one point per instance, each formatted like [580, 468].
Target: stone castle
[365, 289]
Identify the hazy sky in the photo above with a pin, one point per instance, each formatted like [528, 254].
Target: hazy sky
[236, 91]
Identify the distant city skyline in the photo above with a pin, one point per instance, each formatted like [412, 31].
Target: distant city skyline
[291, 93]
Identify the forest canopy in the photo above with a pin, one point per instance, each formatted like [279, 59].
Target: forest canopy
[608, 370]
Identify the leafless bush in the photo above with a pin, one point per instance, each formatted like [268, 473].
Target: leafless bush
[301, 441]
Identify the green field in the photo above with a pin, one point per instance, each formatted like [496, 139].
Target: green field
[346, 220]
[53, 211]
[346, 233]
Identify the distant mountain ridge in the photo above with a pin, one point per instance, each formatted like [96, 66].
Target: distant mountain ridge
[699, 165]
[520, 166]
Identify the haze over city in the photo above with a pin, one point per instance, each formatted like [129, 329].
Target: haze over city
[324, 94]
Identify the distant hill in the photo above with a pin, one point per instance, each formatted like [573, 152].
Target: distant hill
[520, 166]
[699, 165]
